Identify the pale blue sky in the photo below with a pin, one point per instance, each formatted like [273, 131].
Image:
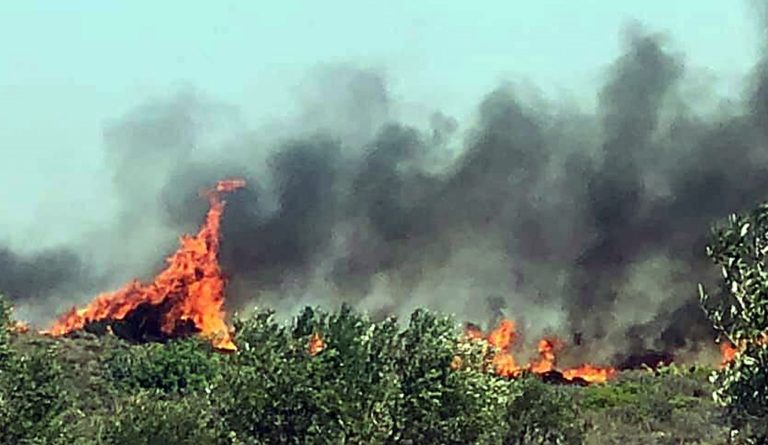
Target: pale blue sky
[68, 66]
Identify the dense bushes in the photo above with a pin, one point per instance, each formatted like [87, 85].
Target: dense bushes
[182, 366]
[149, 418]
[277, 392]
[369, 383]
[34, 398]
[669, 406]
[366, 383]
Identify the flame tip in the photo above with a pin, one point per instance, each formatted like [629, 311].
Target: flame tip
[189, 290]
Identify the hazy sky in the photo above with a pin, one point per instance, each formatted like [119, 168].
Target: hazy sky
[68, 67]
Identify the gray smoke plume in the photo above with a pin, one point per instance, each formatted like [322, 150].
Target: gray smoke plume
[589, 225]
[40, 274]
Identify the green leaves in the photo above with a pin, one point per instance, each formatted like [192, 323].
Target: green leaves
[543, 414]
[179, 366]
[347, 390]
[149, 418]
[439, 404]
[5, 325]
[740, 313]
[372, 383]
[33, 398]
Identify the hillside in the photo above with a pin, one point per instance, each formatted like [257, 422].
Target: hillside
[366, 383]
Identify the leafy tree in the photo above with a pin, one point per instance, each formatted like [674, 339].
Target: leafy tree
[740, 314]
[543, 414]
[177, 366]
[150, 418]
[440, 404]
[34, 399]
[279, 392]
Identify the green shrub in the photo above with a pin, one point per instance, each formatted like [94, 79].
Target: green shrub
[543, 414]
[177, 366]
[5, 324]
[371, 383]
[277, 392]
[34, 398]
[740, 314]
[150, 418]
[438, 404]
[667, 406]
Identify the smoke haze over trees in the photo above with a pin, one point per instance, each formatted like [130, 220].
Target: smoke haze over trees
[567, 220]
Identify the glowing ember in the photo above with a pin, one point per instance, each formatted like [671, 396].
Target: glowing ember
[728, 352]
[20, 327]
[189, 291]
[473, 332]
[504, 364]
[316, 344]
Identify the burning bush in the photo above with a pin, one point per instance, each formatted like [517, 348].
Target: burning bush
[326, 377]
[186, 297]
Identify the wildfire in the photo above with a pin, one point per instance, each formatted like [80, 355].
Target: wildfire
[728, 352]
[504, 363]
[590, 373]
[502, 338]
[190, 291]
[20, 327]
[316, 344]
[546, 361]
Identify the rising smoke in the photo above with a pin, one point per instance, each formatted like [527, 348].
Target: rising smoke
[589, 225]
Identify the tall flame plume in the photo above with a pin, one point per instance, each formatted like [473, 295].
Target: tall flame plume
[189, 291]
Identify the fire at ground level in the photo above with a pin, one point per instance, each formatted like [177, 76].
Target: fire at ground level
[187, 298]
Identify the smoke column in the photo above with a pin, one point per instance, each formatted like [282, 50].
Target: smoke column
[581, 223]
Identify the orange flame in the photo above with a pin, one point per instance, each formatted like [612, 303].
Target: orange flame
[473, 332]
[728, 352]
[546, 361]
[316, 344]
[505, 365]
[589, 373]
[503, 338]
[189, 290]
[504, 335]
[20, 327]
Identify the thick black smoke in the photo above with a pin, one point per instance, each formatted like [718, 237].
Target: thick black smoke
[588, 224]
[40, 274]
